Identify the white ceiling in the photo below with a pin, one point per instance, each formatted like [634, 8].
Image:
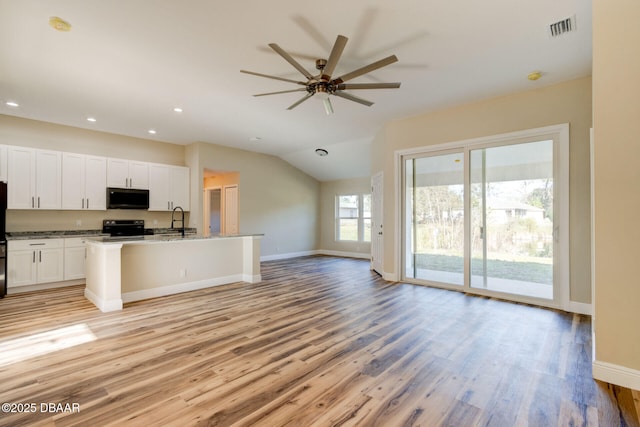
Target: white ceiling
[129, 63]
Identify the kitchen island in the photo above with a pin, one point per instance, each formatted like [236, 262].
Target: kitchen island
[121, 270]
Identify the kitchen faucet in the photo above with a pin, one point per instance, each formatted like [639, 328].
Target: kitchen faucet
[181, 219]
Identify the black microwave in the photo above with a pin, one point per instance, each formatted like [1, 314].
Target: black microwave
[127, 198]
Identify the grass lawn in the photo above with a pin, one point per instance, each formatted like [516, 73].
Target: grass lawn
[536, 272]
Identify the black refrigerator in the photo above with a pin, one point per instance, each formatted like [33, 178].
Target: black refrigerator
[3, 239]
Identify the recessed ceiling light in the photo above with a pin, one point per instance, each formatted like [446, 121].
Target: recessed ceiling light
[152, 131]
[321, 152]
[91, 119]
[178, 110]
[59, 24]
[12, 104]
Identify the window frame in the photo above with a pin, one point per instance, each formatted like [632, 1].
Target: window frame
[360, 217]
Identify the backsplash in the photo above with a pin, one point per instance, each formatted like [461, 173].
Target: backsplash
[43, 220]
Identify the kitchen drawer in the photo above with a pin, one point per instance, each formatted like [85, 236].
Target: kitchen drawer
[75, 242]
[25, 245]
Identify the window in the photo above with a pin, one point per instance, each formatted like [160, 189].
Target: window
[353, 217]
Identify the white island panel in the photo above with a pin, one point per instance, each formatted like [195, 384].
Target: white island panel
[142, 269]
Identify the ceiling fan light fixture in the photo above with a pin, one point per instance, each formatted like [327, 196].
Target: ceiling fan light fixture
[321, 93]
[321, 152]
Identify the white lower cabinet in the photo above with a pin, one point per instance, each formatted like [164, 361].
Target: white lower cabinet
[31, 262]
[75, 254]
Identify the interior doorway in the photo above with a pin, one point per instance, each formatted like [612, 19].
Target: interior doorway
[214, 197]
[220, 202]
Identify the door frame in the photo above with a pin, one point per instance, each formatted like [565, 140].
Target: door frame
[377, 223]
[560, 134]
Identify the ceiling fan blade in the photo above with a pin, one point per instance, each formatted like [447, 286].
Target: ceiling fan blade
[301, 100]
[273, 77]
[328, 108]
[366, 69]
[347, 86]
[290, 60]
[350, 97]
[334, 57]
[282, 91]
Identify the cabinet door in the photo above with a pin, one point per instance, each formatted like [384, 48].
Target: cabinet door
[74, 261]
[159, 187]
[48, 179]
[180, 188]
[117, 173]
[73, 181]
[96, 183]
[50, 265]
[21, 268]
[139, 175]
[21, 190]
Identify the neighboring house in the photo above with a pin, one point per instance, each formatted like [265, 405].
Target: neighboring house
[503, 211]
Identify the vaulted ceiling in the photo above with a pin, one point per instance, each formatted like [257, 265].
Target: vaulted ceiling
[128, 64]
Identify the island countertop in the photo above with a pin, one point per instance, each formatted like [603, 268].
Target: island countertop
[160, 238]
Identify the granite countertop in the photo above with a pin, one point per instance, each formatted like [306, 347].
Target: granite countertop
[158, 238]
[61, 234]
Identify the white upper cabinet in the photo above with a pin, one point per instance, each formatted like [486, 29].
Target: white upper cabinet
[168, 187]
[34, 178]
[127, 174]
[84, 182]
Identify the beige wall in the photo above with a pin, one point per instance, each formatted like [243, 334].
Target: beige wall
[42, 135]
[569, 102]
[328, 192]
[616, 125]
[274, 197]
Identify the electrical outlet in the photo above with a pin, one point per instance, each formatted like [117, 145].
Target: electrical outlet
[183, 272]
[155, 222]
[78, 222]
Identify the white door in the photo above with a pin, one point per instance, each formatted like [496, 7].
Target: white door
[231, 209]
[50, 265]
[21, 268]
[180, 187]
[96, 183]
[160, 188]
[48, 179]
[377, 236]
[73, 184]
[139, 175]
[22, 178]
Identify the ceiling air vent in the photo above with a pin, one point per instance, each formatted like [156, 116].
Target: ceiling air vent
[565, 26]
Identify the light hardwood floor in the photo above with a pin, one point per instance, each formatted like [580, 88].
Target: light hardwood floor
[321, 341]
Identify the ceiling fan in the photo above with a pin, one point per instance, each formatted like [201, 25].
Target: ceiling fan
[323, 84]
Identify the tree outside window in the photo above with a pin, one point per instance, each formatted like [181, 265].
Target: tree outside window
[353, 217]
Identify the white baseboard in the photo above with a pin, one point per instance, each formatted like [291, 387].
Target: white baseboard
[102, 304]
[579, 308]
[615, 374]
[287, 255]
[343, 254]
[180, 287]
[252, 278]
[43, 286]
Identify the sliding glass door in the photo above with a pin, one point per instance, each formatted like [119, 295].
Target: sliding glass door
[485, 217]
[512, 219]
[434, 203]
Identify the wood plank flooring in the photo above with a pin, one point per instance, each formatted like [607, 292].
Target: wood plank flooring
[321, 341]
